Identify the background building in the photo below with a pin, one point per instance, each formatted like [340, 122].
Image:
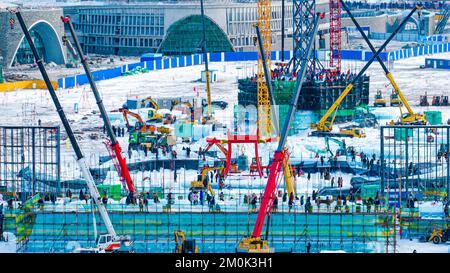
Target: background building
[45, 27]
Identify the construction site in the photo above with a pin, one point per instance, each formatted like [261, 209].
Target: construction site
[331, 137]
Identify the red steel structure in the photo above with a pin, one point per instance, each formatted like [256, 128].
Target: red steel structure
[335, 35]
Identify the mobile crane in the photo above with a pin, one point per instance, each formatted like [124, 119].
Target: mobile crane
[255, 244]
[324, 126]
[208, 118]
[109, 242]
[409, 118]
[111, 143]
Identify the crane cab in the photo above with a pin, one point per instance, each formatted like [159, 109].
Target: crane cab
[254, 245]
[413, 119]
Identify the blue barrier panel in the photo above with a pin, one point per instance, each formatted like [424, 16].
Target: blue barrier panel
[182, 62]
[70, 82]
[81, 79]
[188, 60]
[60, 83]
[150, 65]
[215, 57]
[173, 62]
[351, 54]
[196, 59]
[158, 64]
[166, 63]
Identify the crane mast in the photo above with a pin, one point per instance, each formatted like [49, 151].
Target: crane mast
[78, 153]
[112, 144]
[264, 110]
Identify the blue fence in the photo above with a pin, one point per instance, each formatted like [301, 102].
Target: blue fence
[197, 59]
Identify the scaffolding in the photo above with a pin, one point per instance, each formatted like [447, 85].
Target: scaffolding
[29, 160]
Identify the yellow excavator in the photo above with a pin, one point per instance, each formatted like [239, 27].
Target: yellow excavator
[153, 114]
[199, 184]
[183, 245]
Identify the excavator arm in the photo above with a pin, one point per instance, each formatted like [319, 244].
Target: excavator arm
[322, 125]
[125, 112]
[152, 102]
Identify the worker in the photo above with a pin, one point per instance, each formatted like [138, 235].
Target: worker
[69, 193]
[291, 201]
[81, 196]
[145, 204]
[40, 202]
[308, 247]
[332, 182]
[105, 199]
[141, 205]
[446, 210]
[188, 151]
[275, 204]
[221, 196]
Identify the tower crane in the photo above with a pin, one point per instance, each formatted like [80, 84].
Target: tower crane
[325, 126]
[264, 109]
[255, 243]
[405, 118]
[112, 144]
[106, 242]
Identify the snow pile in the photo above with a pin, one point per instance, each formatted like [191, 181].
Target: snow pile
[9, 245]
[431, 209]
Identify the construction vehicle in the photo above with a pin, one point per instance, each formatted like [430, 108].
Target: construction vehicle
[352, 132]
[424, 101]
[255, 244]
[342, 150]
[153, 115]
[208, 118]
[111, 143]
[409, 118]
[436, 101]
[183, 245]
[437, 236]
[110, 241]
[203, 182]
[379, 100]
[395, 101]
[140, 125]
[168, 119]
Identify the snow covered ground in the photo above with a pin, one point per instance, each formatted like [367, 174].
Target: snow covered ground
[181, 82]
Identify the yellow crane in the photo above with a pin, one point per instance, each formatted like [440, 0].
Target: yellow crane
[264, 111]
[325, 126]
[409, 118]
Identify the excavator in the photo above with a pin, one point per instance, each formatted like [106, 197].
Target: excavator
[409, 118]
[111, 241]
[342, 150]
[111, 143]
[379, 100]
[254, 243]
[183, 245]
[140, 125]
[199, 184]
[153, 115]
[324, 127]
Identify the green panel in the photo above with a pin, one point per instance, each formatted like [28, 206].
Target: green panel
[433, 117]
[185, 37]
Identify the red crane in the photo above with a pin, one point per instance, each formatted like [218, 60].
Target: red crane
[255, 243]
[335, 35]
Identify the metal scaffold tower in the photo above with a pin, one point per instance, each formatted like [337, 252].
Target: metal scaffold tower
[335, 35]
[264, 113]
[303, 23]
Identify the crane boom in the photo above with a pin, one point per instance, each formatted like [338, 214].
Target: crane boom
[205, 57]
[279, 153]
[114, 144]
[73, 141]
[388, 74]
[325, 126]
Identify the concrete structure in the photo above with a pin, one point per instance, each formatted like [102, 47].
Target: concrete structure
[43, 23]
